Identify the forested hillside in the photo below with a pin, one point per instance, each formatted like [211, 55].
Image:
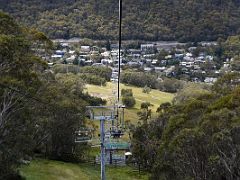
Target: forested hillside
[183, 20]
[39, 110]
[196, 137]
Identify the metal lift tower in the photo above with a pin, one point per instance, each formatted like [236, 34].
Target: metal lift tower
[110, 113]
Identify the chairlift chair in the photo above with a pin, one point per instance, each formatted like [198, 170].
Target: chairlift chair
[89, 114]
[83, 135]
[116, 132]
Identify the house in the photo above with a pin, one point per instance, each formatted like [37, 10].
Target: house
[226, 65]
[169, 70]
[179, 51]
[56, 57]
[83, 56]
[200, 58]
[134, 51]
[114, 75]
[81, 60]
[64, 45]
[189, 55]
[95, 48]
[70, 59]
[114, 54]
[179, 56]
[148, 55]
[60, 52]
[50, 64]
[148, 69]
[159, 69]
[154, 62]
[148, 62]
[71, 52]
[163, 62]
[114, 46]
[106, 54]
[106, 61]
[205, 44]
[188, 58]
[88, 62]
[134, 64]
[98, 65]
[196, 67]
[209, 58]
[217, 72]
[191, 49]
[168, 57]
[210, 80]
[85, 49]
[186, 64]
[135, 56]
[76, 10]
[148, 47]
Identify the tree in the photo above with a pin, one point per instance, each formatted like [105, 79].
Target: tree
[102, 72]
[146, 90]
[190, 91]
[139, 79]
[170, 85]
[183, 21]
[145, 105]
[127, 98]
[126, 92]
[195, 139]
[108, 45]
[19, 83]
[64, 115]
[39, 110]
[128, 101]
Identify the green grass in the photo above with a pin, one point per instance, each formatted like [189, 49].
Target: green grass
[155, 97]
[54, 170]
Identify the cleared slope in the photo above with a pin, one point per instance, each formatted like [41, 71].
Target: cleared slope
[155, 97]
[54, 170]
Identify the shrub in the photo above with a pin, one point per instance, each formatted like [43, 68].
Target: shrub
[93, 79]
[128, 101]
[126, 92]
[145, 105]
[146, 89]
[170, 85]
[127, 98]
[102, 72]
[64, 68]
[139, 79]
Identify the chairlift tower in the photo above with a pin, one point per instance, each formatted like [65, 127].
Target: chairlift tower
[104, 114]
[112, 114]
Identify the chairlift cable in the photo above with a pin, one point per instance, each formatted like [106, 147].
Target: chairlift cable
[119, 47]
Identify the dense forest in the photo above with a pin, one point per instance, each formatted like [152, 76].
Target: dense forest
[196, 137]
[182, 20]
[39, 110]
